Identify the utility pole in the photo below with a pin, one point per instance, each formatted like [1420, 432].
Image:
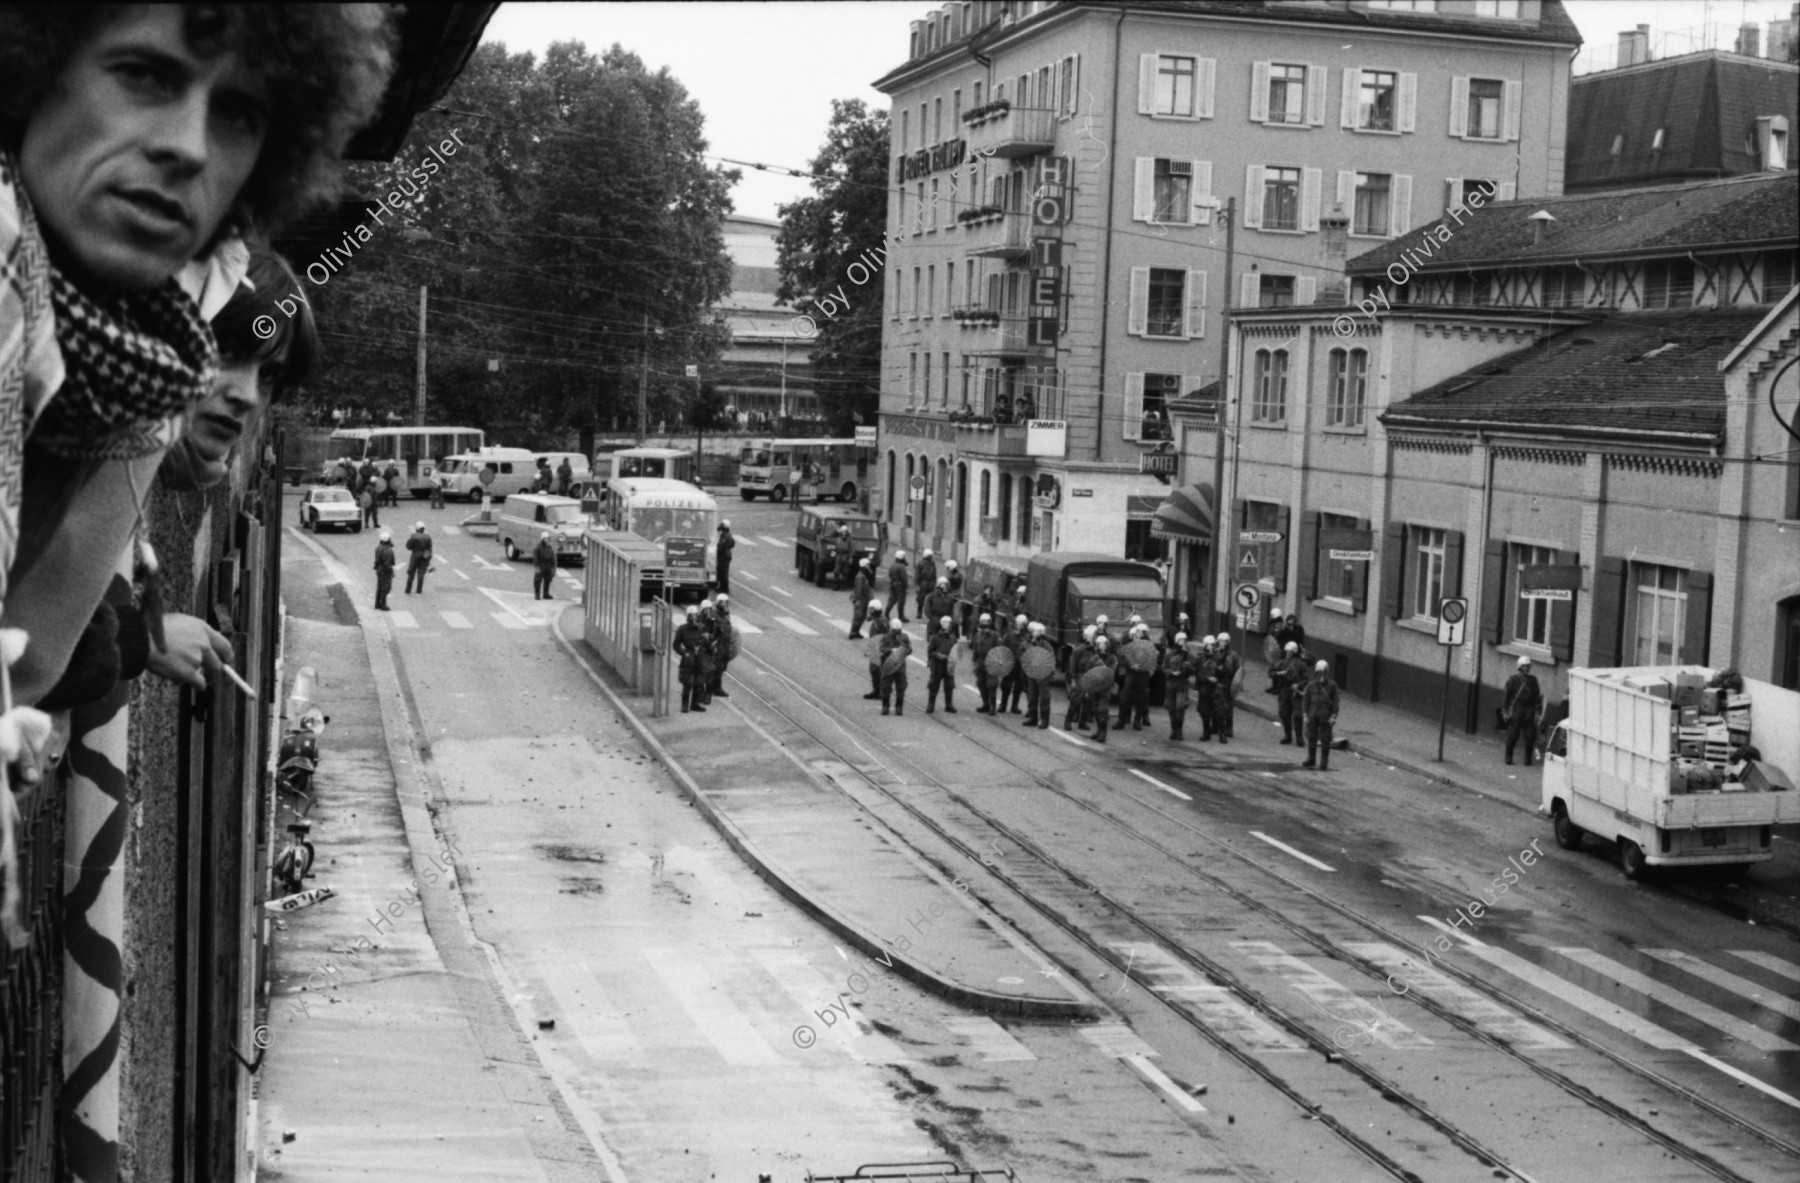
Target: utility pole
[644, 383]
[1224, 532]
[419, 390]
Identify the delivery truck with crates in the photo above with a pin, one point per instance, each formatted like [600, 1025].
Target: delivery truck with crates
[1678, 765]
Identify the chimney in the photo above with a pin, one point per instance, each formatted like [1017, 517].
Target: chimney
[1749, 42]
[1634, 46]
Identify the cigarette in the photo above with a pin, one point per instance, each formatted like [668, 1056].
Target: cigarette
[249, 692]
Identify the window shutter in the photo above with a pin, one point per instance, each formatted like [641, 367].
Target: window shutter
[1278, 567]
[1312, 184]
[1609, 612]
[1143, 196]
[1195, 326]
[1696, 630]
[1137, 320]
[1513, 93]
[1056, 87]
[1309, 554]
[1201, 189]
[1250, 290]
[1306, 290]
[1134, 406]
[1453, 560]
[1507, 191]
[1146, 84]
[1259, 92]
[1493, 591]
[1393, 570]
[1253, 196]
[1400, 217]
[1409, 101]
[1074, 84]
[1455, 199]
[1562, 615]
[1209, 69]
[1346, 193]
[1347, 109]
[1315, 95]
[1459, 106]
[1359, 577]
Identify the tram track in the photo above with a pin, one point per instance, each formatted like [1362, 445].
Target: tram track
[1382, 1085]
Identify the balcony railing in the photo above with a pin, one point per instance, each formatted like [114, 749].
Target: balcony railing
[990, 334]
[1018, 131]
[998, 236]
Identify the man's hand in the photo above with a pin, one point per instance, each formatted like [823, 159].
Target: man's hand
[194, 649]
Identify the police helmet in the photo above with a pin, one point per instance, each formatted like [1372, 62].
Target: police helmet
[1100, 642]
[927, 553]
[1088, 633]
[896, 627]
[949, 564]
[899, 555]
[1136, 619]
[1321, 667]
[1291, 647]
[863, 562]
[874, 605]
[1098, 620]
[986, 619]
[944, 622]
[1021, 620]
[1037, 628]
[724, 599]
[1181, 638]
[943, 581]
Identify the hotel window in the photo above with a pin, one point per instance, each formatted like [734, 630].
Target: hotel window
[1069, 80]
[1531, 613]
[1657, 606]
[1164, 316]
[1287, 93]
[1347, 395]
[1376, 98]
[1175, 86]
[1269, 386]
[1147, 415]
[1275, 291]
[1174, 191]
[1427, 564]
[1486, 96]
[1281, 199]
[1372, 204]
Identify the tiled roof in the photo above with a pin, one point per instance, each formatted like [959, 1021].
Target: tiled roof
[1664, 220]
[1553, 27]
[1637, 371]
[1704, 103]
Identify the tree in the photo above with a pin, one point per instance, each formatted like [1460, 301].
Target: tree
[831, 253]
[578, 210]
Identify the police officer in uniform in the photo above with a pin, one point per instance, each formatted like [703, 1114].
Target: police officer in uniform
[1289, 676]
[878, 629]
[1319, 703]
[1013, 686]
[1078, 665]
[689, 642]
[1134, 689]
[893, 686]
[1230, 664]
[940, 647]
[939, 606]
[986, 637]
[1102, 656]
[861, 593]
[722, 645]
[1038, 689]
[897, 580]
[925, 579]
[1178, 673]
[1523, 705]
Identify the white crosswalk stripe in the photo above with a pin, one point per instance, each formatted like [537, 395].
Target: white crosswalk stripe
[1725, 979]
[813, 990]
[1406, 974]
[743, 541]
[748, 629]
[989, 1039]
[1217, 1007]
[456, 620]
[508, 621]
[709, 1007]
[1712, 1016]
[1774, 965]
[1348, 1014]
[795, 626]
[451, 529]
[821, 612]
[402, 619]
[774, 542]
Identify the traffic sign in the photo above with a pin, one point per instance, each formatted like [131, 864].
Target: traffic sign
[1259, 536]
[1247, 558]
[915, 488]
[1453, 618]
[1247, 595]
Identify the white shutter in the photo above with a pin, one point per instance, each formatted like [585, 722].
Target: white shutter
[1347, 109]
[1137, 318]
[1056, 88]
[1143, 196]
[1509, 125]
[1315, 95]
[1146, 84]
[1074, 82]
[1346, 193]
[1306, 289]
[1400, 217]
[1253, 196]
[1409, 101]
[1195, 324]
[1250, 290]
[1508, 191]
[1134, 406]
[1455, 198]
[1209, 68]
[1200, 187]
[1312, 181]
[1459, 106]
[1259, 92]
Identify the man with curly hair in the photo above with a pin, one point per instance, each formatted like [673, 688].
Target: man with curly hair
[138, 143]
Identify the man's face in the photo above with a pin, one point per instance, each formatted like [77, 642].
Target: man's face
[223, 417]
[140, 149]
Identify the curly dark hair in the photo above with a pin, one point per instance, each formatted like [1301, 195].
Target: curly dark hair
[326, 66]
[289, 348]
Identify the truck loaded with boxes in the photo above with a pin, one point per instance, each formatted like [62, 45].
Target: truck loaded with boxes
[1679, 765]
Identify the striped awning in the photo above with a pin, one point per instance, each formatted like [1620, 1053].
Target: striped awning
[1186, 515]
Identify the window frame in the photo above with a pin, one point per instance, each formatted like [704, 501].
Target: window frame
[1284, 80]
[1273, 185]
[1268, 289]
[1181, 211]
[1426, 558]
[1347, 388]
[1193, 77]
[1499, 98]
[1531, 614]
[1676, 599]
[1334, 574]
[1178, 319]
[1270, 372]
[1365, 182]
[1365, 110]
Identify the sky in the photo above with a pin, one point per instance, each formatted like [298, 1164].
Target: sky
[764, 74]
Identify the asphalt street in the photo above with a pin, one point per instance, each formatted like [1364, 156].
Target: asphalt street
[1310, 957]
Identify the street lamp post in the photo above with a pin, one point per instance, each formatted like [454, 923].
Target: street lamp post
[1224, 530]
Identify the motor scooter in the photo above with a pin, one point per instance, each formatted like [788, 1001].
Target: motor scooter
[298, 758]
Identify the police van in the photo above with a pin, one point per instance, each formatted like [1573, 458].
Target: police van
[528, 516]
[460, 475]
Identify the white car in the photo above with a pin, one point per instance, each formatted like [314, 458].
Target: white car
[330, 507]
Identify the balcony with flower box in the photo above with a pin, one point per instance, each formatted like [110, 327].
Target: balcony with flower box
[990, 232]
[1001, 129]
[992, 335]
